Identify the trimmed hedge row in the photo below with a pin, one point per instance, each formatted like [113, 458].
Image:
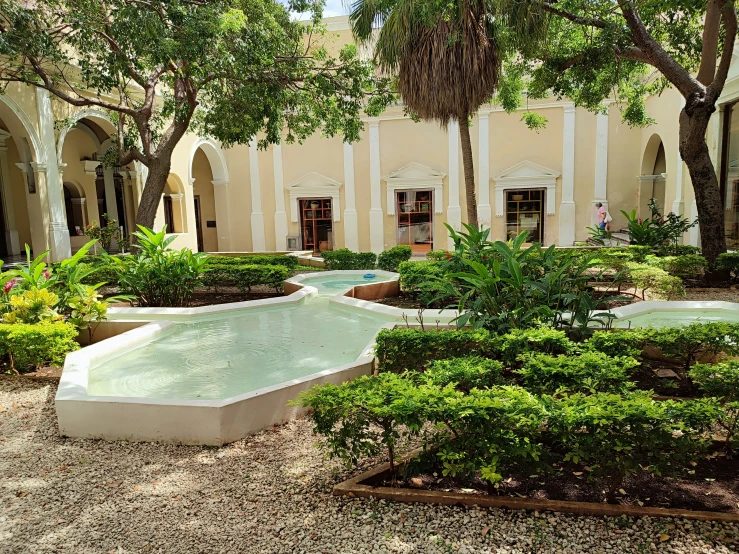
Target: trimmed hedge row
[30, 346]
[345, 259]
[415, 274]
[245, 276]
[389, 260]
[290, 262]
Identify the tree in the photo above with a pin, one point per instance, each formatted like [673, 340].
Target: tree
[447, 58]
[228, 68]
[596, 49]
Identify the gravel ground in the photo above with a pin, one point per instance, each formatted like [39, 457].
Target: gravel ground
[268, 493]
[726, 294]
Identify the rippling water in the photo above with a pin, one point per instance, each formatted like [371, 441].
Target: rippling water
[219, 358]
[676, 318]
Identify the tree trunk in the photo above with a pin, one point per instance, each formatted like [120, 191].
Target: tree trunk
[152, 193]
[469, 170]
[694, 120]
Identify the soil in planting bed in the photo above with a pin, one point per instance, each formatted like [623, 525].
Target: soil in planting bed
[411, 302]
[714, 486]
[49, 372]
[221, 297]
[664, 379]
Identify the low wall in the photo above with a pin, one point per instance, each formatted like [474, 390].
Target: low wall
[375, 291]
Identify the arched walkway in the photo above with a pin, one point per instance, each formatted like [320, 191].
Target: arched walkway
[75, 209]
[21, 159]
[209, 179]
[173, 205]
[653, 176]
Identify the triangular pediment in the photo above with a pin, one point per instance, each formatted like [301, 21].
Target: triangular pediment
[416, 172]
[312, 181]
[526, 170]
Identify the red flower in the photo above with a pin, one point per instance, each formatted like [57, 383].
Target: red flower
[9, 285]
[47, 274]
[448, 255]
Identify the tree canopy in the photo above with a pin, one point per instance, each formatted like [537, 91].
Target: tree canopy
[229, 69]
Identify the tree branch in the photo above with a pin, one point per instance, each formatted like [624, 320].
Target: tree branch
[729, 17]
[580, 20]
[711, 26]
[656, 56]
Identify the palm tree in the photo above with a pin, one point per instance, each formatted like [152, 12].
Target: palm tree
[447, 58]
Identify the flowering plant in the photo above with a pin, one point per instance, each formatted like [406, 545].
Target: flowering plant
[103, 234]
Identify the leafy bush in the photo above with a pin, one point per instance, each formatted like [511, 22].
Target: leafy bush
[719, 380]
[290, 262]
[616, 258]
[688, 266]
[414, 275]
[389, 260]
[31, 346]
[544, 339]
[157, 275]
[677, 250]
[616, 435]
[660, 283]
[245, 276]
[105, 273]
[362, 417]
[729, 261]
[404, 349]
[438, 255]
[686, 344]
[657, 231]
[590, 371]
[620, 342]
[344, 259]
[32, 306]
[491, 432]
[722, 382]
[465, 373]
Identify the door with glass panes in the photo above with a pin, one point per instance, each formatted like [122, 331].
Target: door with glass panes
[415, 220]
[525, 212]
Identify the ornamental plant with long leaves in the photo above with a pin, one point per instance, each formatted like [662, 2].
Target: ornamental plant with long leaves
[156, 274]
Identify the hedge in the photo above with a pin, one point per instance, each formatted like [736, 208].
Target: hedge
[389, 260]
[406, 348]
[650, 278]
[688, 266]
[729, 261]
[30, 346]
[345, 259]
[291, 262]
[414, 274]
[245, 276]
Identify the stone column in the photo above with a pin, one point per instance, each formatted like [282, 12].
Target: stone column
[677, 205]
[454, 210]
[280, 213]
[601, 165]
[11, 232]
[179, 209]
[223, 215]
[257, 217]
[567, 205]
[351, 226]
[484, 210]
[34, 175]
[377, 231]
[58, 232]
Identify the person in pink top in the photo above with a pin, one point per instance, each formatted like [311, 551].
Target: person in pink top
[602, 215]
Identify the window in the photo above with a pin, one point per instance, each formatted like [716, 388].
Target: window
[525, 212]
[730, 175]
[415, 219]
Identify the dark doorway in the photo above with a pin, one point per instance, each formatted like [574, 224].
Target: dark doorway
[199, 223]
[316, 224]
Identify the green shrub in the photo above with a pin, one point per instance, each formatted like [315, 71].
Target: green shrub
[677, 250]
[404, 349]
[617, 258]
[660, 283]
[465, 373]
[345, 259]
[245, 276]
[438, 255]
[729, 261]
[689, 266]
[686, 344]
[617, 435]
[620, 342]
[290, 262]
[413, 275]
[544, 339]
[389, 260]
[31, 346]
[105, 273]
[718, 380]
[157, 275]
[364, 417]
[492, 433]
[590, 371]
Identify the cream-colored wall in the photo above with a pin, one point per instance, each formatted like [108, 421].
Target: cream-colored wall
[362, 187]
[403, 141]
[19, 190]
[239, 194]
[512, 142]
[624, 161]
[203, 187]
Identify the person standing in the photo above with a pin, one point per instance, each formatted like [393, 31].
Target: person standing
[602, 216]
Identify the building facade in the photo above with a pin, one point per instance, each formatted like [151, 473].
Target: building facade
[398, 185]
